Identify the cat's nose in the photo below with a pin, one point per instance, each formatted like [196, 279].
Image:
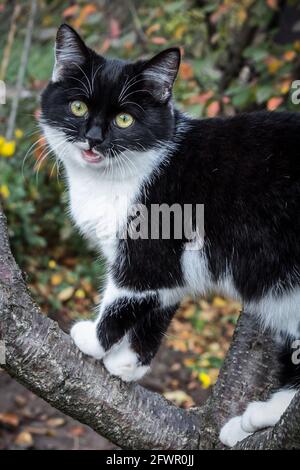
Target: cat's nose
[94, 136]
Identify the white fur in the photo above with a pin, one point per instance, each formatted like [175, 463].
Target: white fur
[281, 313]
[122, 362]
[84, 336]
[258, 415]
[233, 432]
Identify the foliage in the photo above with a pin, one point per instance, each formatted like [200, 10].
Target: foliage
[231, 63]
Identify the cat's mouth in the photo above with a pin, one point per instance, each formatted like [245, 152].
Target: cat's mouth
[92, 157]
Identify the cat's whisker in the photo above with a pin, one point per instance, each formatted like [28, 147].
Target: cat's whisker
[141, 90]
[31, 149]
[86, 77]
[83, 84]
[134, 104]
[130, 83]
[80, 89]
[94, 75]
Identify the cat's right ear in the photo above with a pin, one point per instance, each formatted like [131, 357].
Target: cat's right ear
[69, 50]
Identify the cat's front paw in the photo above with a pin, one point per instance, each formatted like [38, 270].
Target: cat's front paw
[232, 432]
[123, 362]
[84, 335]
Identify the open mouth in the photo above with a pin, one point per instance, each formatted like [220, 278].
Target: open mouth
[92, 157]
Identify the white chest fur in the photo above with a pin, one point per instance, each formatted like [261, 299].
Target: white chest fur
[100, 202]
[99, 206]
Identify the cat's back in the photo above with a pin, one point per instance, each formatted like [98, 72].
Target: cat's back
[250, 137]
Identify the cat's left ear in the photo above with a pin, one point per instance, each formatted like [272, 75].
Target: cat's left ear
[69, 50]
[160, 73]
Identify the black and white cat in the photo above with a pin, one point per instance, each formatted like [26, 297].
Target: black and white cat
[114, 127]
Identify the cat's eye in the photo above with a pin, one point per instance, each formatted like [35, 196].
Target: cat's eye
[124, 120]
[79, 108]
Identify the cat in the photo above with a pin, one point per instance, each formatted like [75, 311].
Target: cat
[122, 142]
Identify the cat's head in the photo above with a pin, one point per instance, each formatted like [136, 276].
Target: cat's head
[96, 109]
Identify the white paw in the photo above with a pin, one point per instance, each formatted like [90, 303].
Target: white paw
[258, 415]
[122, 362]
[263, 414]
[254, 417]
[84, 335]
[232, 432]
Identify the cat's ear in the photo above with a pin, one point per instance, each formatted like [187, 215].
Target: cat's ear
[69, 50]
[160, 73]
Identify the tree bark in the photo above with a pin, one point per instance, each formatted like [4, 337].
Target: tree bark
[44, 359]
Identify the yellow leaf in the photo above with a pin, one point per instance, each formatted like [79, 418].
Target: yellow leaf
[297, 46]
[204, 379]
[56, 279]
[80, 294]
[219, 302]
[274, 65]
[179, 31]
[52, 264]
[8, 148]
[19, 133]
[4, 191]
[284, 87]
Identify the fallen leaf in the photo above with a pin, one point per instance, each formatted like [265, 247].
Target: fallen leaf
[55, 422]
[9, 419]
[77, 431]
[56, 279]
[65, 294]
[179, 397]
[24, 439]
[20, 401]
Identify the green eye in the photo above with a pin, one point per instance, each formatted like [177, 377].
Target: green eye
[124, 120]
[79, 108]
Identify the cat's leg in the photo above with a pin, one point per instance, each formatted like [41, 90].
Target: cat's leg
[85, 333]
[263, 414]
[131, 359]
[128, 329]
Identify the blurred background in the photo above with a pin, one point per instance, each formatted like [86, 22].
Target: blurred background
[237, 56]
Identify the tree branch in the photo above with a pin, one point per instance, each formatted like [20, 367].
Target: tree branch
[43, 358]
